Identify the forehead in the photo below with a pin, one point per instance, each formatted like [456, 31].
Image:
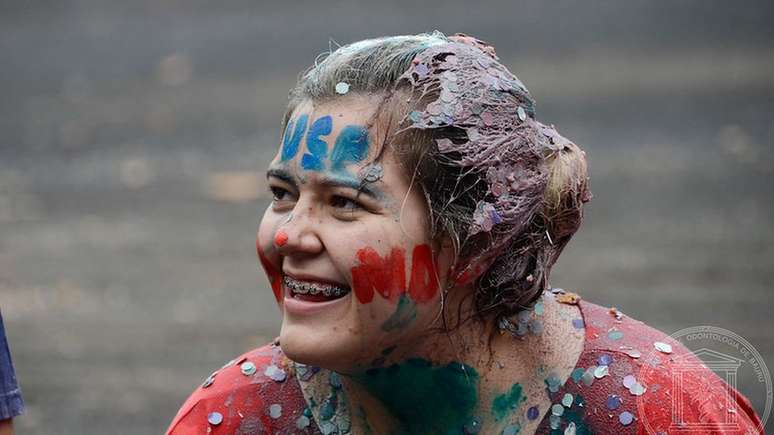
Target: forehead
[332, 136]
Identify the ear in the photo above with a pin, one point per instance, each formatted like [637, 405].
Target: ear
[468, 271]
[460, 271]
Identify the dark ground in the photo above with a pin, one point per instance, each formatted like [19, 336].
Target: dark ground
[133, 136]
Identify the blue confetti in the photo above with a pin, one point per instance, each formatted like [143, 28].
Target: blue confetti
[626, 418]
[533, 413]
[605, 360]
[613, 402]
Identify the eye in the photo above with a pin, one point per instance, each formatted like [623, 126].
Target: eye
[344, 203]
[280, 194]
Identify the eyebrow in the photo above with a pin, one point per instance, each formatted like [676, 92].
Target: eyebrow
[329, 180]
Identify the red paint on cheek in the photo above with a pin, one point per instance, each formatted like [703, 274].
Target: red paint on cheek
[423, 284]
[387, 275]
[274, 275]
[281, 238]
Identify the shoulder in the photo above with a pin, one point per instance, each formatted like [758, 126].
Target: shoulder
[255, 393]
[633, 378]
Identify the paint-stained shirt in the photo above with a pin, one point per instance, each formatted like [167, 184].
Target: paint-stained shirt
[624, 383]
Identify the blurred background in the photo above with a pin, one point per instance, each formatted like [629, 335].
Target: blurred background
[134, 135]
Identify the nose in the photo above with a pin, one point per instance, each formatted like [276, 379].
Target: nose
[297, 235]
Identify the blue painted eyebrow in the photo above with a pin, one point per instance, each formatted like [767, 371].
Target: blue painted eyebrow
[329, 180]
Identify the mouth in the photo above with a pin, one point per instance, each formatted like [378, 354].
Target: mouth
[313, 291]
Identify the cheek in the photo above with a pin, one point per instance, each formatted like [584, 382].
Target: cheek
[396, 276]
[267, 255]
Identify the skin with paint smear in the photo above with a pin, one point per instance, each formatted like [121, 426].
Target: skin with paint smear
[327, 224]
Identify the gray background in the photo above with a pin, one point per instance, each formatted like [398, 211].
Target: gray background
[133, 136]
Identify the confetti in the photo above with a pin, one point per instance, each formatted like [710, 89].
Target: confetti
[615, 334]
[577, 374]
[248, 368]
[342, 88]
[567, 400]
[303, 422]
[588, 376]
[557, 410]
[512, 429]
[327, 409]
[335, 380]
[533, 412]
[601, 371]
[578, 323]
[328, 428]
[605, 360]
[539, 308]
[626, 418]
[522, 114]
[615, 313]
[210, 379]
[568, 298]
[275, 411]
[275, 373]
[613, 402]
[629, 381]
[473, 426]
[536, 327]
[570, 429]
[634, 353]
[555, 421]
[662, 347]
[215, 418]
[637, 389]
[557, 290]
[553, 383]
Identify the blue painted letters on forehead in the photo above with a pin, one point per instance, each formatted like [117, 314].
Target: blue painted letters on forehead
[351, 144]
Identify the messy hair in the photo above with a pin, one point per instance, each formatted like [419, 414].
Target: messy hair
[504, 188]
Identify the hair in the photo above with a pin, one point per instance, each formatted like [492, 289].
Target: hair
[504, 188]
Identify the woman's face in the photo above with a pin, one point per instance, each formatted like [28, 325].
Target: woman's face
[345, 241]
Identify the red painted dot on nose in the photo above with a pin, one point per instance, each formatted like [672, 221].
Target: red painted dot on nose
[280, 238]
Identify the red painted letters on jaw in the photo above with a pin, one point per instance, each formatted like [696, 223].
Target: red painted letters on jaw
[424, 276]
[387, 275]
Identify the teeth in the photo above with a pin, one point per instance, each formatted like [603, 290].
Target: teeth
[301, 287]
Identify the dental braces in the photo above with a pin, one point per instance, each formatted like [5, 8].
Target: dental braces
[313, 288]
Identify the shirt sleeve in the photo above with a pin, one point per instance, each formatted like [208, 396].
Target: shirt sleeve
[254, 393]
[11, 402]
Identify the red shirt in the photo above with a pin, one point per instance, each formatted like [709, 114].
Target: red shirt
[621, 385]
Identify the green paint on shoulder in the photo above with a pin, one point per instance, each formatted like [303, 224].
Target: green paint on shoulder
[506, 402]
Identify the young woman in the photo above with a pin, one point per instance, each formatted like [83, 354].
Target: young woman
[418, 209]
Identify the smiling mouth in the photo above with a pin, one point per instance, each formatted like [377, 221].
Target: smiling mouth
[311, 291]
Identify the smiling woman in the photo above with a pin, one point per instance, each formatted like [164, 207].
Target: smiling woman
[418, 209]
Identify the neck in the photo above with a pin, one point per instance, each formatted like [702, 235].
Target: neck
[450, 382]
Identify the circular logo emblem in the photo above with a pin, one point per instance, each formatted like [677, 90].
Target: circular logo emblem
[712, 374]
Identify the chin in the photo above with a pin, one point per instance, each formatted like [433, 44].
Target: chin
[310, 345]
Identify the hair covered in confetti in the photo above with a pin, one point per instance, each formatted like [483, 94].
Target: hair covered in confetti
[506, 189]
